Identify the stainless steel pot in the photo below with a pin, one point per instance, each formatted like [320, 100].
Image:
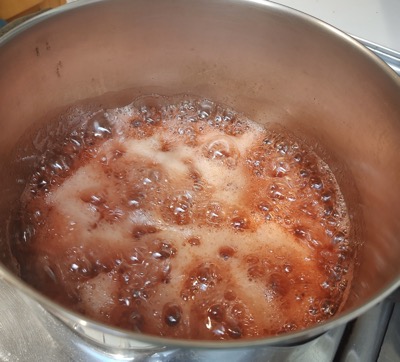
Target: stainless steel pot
[268, 61]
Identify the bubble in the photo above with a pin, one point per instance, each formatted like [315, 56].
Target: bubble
[214, 213]
[299, 297]
[336, 273]
[179, 208]
[226, 252]
[140, 295]
[332, 221]
[228, 116]
[291, 196]
[238, 311]
[42, 183]
[194, 241]
[207, 273]
[216, 312]
[135, 198]
[72, 145]
[152, 176]
[60, 165]
[222, 149]
[120, 174]
[161, 249]
[280, 168]
[239, 223]
[252, 259]
[186, 106]
[79, 263]
[342, 285]
[256, 272]
[277, 192]
[328, 209]
[205, 110]
[136, 123]
[98, 126]
[172, 314]
[144, 117]
[329, 308]
[94, 199]
[339, 238]
[304, 173]
[278, 284]
[264, 164]
[313, 309]
[326, 196]
[150, 121]
[325, 285]
[316, 183]
[198, 184]
[200, 279]
[234, 330]
[297, 157]
[264, 207]
[141, 230]
[282, 147]
[287, 268]
[112, 215]
[137, 256]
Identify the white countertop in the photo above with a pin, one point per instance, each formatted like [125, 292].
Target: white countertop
[375, 20]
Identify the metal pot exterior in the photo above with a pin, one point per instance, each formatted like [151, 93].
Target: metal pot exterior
[267, 61]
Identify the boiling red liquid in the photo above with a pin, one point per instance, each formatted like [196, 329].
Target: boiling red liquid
[185, 219]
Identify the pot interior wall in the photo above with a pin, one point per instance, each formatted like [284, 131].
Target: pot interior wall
[273, 67]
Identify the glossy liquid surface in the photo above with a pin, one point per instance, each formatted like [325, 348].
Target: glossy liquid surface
[179, 217]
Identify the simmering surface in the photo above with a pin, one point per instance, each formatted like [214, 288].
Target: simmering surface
[178, 217]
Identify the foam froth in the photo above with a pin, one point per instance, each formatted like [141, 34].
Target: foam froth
[179, 217]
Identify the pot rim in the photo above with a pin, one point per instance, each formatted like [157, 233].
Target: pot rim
[287, 339]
